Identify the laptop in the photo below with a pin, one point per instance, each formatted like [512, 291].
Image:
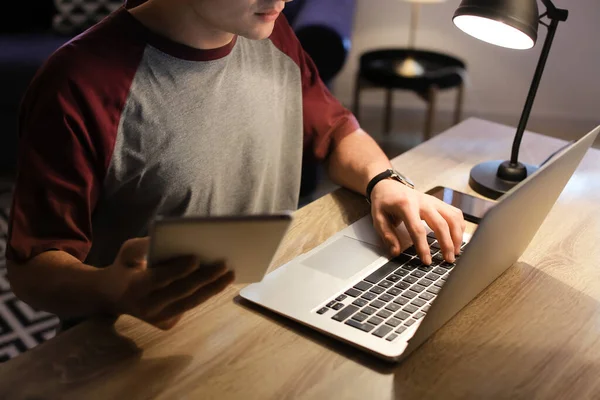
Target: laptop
[349, 289]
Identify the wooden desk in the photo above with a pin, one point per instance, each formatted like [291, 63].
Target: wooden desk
[534, 333]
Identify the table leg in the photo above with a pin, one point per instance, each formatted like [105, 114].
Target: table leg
[356, 103]
[387, 127]
[431, 102]
[459, 103]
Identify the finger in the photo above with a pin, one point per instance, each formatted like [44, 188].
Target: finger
[133, 251]
[182, 288]
[456, 223]
[384, 228]
[167, 272]
[199, 297]
[442, 231]
[417, 233]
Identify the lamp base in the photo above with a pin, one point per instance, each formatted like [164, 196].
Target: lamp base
[485, 181]
[410, 68]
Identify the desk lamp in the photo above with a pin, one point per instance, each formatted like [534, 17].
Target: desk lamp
[512, 24]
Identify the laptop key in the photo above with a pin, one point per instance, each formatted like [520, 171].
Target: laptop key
[382, 272]
[415, 262]
[410, 279]
[393, 278]
[426, 308]
[341, 297]
[402, 285]
[410, 308]
[362, 285]
[409, 294]
[382, 331]
[440, 271]
[418, 302]
[402, 259]
[402, 315]
[386, 297]
[401, 300]
[377, 289]
[432, 276]
[439, 283]
[417, 288]
[417, 273]
[401, 272]
[437, 259]
[391, 337]
[430, 240]
[368, 296]
[400, 330]
[369, 310]
[425, 268]
[384, 314]
[323, 310]
[447, 265]
[410, 322]
[358, 325]
[411, 251]
[426, 296]
[386, 284]
[331, 303]
[433, 289]
[375, 320]
[393, 322]
[345, 313]
[360, 317]
[436, 246]
[360, 302]
[392, 307]
[419, 315]
[353, 292]
[425, 282]
[338, 306]
[377, 304]
[394, 291]
[445, 277]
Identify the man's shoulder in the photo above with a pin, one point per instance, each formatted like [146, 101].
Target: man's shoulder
[98, 56]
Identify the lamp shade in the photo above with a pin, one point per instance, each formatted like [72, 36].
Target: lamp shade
[506, 23]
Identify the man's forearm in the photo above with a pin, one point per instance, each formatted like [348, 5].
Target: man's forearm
[356, 160]
[56, 282]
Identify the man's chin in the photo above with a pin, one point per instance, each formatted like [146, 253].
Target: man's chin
[259, 32]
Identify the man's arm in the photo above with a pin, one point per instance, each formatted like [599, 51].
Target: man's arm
[57, 282]
[355, 160]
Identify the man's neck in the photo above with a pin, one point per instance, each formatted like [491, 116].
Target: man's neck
[180, 23]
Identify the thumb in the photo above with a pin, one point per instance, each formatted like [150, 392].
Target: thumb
[133, 252]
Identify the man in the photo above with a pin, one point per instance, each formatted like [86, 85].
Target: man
[179, 107]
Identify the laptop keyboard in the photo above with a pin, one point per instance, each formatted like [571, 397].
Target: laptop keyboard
[393, 297]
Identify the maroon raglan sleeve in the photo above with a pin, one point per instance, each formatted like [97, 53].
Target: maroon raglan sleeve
[326, 121]
[67, 126]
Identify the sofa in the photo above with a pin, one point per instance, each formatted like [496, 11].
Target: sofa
[323, 27]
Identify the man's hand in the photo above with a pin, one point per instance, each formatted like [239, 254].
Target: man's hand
[393, 203]
[162, 294]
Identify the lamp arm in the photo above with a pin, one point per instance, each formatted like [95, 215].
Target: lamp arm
[555, 15]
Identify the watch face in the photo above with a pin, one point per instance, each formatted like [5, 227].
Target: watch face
[404, 179]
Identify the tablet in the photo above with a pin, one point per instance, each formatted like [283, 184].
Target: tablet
[246, 243]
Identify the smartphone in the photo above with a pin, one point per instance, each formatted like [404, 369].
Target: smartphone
[246, 243]
[473, 208]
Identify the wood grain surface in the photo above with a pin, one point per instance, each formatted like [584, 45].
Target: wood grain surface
[534, 333]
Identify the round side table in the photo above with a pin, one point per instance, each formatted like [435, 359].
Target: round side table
[381, 69]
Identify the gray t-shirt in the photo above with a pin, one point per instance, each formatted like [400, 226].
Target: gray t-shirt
[122, 125]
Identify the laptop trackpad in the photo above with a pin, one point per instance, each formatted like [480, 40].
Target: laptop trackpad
[343, 257]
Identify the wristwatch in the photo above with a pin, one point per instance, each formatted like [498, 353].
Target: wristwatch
[388, 174]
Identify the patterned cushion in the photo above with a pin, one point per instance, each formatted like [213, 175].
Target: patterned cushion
[75, 16]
